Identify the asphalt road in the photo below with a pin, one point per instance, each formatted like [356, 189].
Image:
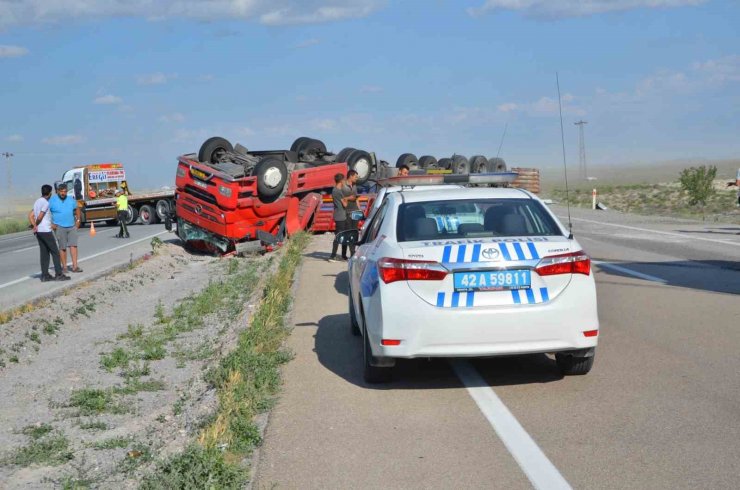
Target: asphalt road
[20, 269]
[659, 410]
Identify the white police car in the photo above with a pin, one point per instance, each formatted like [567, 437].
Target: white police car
[459, 272]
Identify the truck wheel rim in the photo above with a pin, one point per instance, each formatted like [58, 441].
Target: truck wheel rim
[362, 167]
[273, 177]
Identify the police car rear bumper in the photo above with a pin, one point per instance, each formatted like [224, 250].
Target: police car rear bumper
[565, 323]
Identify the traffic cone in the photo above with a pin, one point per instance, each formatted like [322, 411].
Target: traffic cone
[92, 229]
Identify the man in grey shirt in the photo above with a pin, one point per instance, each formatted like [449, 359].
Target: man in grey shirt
[40, 219]
[340, 215]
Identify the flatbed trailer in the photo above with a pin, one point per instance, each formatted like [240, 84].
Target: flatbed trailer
[94, 187]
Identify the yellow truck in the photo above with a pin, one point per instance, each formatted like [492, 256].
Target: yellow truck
[94, 187]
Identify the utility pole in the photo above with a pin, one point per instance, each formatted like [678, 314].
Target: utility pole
[582, 172]
[8, 156]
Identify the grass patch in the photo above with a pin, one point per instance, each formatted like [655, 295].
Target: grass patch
[94, 425]
[47, 448]
[13, 313]
[13, 225]
[139, 454]
[51, 327]
[37, 431]
[196, 467]
[113, 443]
[246, 380]
[89, 401]
[133, 332]
[119, 358]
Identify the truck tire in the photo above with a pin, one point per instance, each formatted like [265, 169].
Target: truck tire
[496, 164]
[460, 165]
[163, 209]
[213, 149]
[408, 159]
[445, 163]
[427, 161]
[478, 164]
[148, 215]
[299, 143]
[271, 176]
[132, 215]
[306, 146]
[360, 162]
[342, 155]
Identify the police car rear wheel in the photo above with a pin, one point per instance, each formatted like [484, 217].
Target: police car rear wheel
[574, 366]
[373, 374]
[354, 327]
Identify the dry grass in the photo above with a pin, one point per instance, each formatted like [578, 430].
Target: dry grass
[666, 199]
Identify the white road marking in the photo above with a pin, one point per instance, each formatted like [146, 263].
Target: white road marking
[11, 283]
[669, 233]
[540, 471]
[32, 247]
[624, 270]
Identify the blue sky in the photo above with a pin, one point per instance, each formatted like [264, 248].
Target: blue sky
[140, 82]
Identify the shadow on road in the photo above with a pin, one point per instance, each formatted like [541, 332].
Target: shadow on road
[341, 352]
[719, 276]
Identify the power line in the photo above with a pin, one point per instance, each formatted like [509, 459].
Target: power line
[582, 171]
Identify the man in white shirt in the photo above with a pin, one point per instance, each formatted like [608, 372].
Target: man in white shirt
[40, 219]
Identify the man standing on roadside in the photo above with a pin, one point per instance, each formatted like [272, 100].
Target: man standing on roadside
[122, 208]
[350, 196]
[65, 216]
[40, 219]
[340, 215]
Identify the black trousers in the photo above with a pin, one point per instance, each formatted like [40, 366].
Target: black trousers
[341, 226]
[48, 247]
[122, 229]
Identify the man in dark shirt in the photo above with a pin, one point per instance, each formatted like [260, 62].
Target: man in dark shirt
[350, 196]
[340, 215]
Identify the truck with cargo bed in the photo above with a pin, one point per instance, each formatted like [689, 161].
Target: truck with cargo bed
[94, 187]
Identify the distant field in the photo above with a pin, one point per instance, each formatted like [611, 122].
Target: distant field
[667, 199]
[618, 174]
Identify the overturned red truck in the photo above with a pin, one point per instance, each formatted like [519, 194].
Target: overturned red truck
[229, 198]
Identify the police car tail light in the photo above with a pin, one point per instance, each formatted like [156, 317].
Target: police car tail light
[392, 270]
[570, 263]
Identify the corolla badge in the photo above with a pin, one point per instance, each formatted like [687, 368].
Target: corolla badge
[490, 253]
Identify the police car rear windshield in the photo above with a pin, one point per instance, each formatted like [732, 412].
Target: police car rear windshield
[474, 219]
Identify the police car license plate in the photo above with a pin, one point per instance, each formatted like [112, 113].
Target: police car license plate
[492, 280]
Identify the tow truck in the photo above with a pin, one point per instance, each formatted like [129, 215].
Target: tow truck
[94, 188]
[229, 198]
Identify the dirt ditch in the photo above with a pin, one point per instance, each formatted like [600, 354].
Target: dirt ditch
[103, 381]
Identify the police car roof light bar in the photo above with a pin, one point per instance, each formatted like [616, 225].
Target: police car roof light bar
[459, 179]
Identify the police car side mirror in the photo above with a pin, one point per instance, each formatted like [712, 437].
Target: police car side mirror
[356, 216]
[347, 237]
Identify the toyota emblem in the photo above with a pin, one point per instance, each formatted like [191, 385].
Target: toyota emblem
[490, 253]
